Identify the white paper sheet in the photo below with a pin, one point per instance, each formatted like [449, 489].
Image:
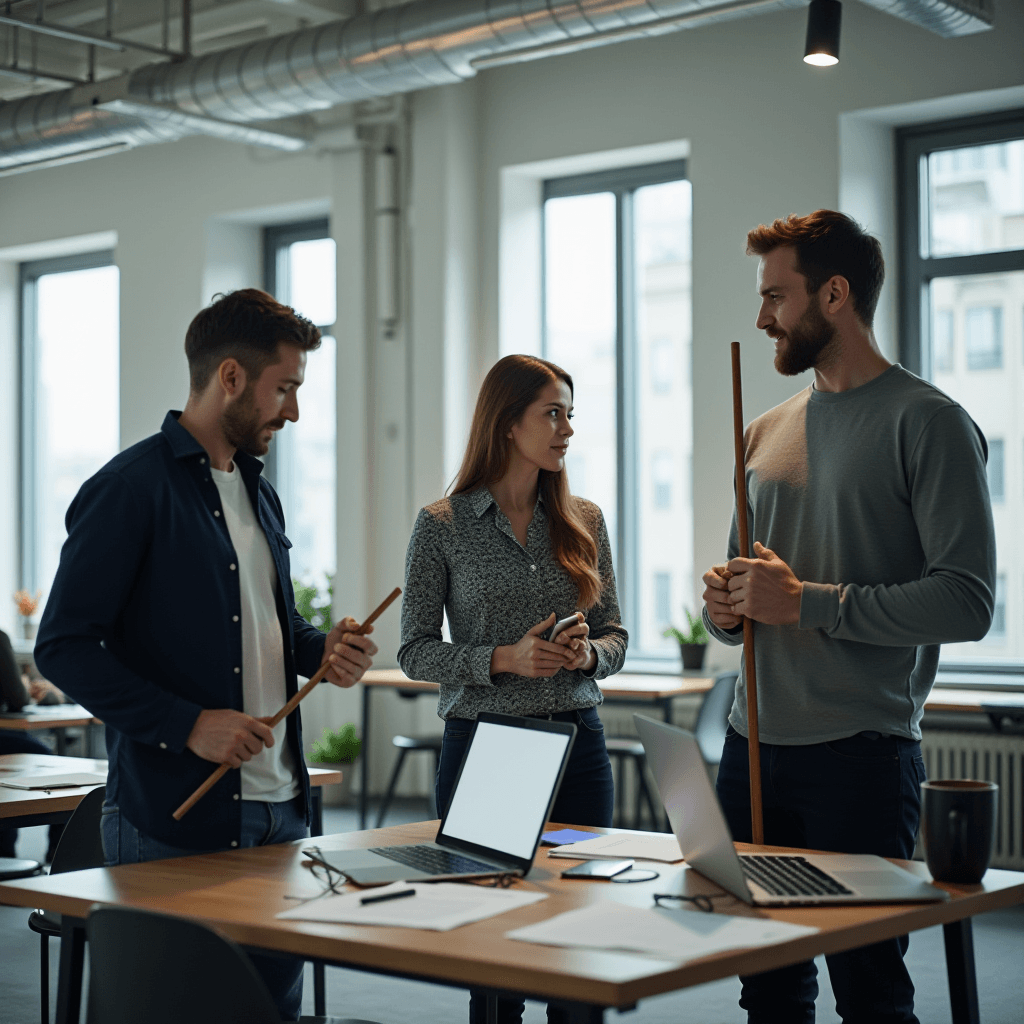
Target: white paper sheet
[673, 934]
[664, 848]
[439, 907]
[55, 781]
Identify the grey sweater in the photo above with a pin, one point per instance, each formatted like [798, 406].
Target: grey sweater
[877, 499]
[464, 559]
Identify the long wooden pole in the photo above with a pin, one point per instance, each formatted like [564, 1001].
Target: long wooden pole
[217, 775]
[753, 742]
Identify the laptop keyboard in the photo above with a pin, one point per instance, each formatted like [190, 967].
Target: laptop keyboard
[791, 876]
[435, 861]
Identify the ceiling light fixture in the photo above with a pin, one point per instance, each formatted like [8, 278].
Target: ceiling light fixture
[823, 20]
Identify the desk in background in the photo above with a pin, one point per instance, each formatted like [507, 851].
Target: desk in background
[239, 892]
[21, 808]
[623, 688]
[56, 717]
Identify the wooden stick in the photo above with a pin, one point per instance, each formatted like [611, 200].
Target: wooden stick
[286, 710]
[753, 741]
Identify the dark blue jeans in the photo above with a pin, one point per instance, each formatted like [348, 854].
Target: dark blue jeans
[860, 794]
[586, 797]
[262, 825]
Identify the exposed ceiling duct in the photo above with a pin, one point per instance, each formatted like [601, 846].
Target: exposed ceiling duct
[398, 49]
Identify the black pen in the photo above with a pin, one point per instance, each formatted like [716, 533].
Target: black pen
[384, 897]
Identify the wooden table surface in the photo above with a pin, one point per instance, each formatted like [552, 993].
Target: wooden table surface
[51, 716]
[20, 802]
[623, 685]
[239, 892]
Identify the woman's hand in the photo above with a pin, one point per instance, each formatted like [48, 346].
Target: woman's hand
[533, 657]
[577, 640]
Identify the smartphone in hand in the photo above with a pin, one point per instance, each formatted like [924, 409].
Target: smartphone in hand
[563, 624]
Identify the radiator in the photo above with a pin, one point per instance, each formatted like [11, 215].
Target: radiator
[993, 758]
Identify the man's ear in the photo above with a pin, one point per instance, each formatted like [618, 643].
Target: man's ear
[837, 293]
[231, 377]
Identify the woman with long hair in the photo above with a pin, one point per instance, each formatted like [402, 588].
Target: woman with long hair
[507, 554]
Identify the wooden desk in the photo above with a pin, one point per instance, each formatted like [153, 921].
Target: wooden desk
[21, 808]
[239, 892]
[57, 717]
[997, 704]
[623, 688]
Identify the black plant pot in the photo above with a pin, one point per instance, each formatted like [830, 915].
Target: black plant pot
[693, 655]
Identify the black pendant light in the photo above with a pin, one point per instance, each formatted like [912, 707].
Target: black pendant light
[823, 21]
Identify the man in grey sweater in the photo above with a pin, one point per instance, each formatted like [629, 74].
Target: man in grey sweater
[868, 505]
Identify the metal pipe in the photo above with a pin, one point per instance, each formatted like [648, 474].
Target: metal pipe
[186, 28]
[34, 76]
[76, 35]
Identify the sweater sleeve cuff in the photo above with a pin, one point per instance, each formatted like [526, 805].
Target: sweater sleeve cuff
[600, 669]
[177, 726]
[480, 665]
[819, 606]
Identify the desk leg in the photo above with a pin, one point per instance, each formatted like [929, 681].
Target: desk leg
[963, 982]
[666, 710]
[579, 1013]
[60, 741]
[316, 828]
[72, 963]
[316, 810]
[364, 780]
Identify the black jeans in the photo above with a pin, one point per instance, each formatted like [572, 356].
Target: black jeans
[586, 797]
[860, 794]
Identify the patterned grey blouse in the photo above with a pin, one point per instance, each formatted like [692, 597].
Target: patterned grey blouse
[464, 558]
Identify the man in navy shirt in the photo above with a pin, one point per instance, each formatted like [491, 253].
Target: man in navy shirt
[172, 615]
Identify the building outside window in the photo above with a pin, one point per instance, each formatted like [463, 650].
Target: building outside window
[962, 222]
[70, 402]
[300, 272]
[617, 316]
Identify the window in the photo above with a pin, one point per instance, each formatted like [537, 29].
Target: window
[962, 223]
[301, 464]
[983, 337]
[617, 316]
[70, 403]
[663, 599]
[996, 471]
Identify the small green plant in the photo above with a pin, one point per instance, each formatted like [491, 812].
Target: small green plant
[337, 745]
[697, 634]
[314, 606]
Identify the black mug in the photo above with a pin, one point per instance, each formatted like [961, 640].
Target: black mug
[958, 825]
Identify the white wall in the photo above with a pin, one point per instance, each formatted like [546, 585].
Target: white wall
[767, 135]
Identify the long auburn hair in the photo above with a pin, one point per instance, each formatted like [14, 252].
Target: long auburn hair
[510, 386]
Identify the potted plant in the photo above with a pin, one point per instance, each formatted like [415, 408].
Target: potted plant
[337, 748]
[693, 643]
[27, 606]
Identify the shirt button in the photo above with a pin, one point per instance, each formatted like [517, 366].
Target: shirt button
[235, 796]
[533, 568]
[232, 566]
[234, 842]
[216, 512]
[202, 462]
[237, 670]
[163, 746]
[234, 618]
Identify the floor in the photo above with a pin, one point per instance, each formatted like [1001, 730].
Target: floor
[999, 946]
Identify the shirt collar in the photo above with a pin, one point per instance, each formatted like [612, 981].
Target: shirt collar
[481, 500]
[184, 445]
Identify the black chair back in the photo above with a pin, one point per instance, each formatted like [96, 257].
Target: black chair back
[80, 846]
[713, 717]
[147, 968]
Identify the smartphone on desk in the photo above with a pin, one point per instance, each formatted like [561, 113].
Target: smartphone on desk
[598, 869]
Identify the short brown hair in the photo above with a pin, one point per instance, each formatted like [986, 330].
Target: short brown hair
[827, 244]
[246, 325]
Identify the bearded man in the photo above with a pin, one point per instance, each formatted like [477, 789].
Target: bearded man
[172, 616]
[868, 504]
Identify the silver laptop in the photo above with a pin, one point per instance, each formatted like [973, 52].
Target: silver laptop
[502, 798]
[760, 878]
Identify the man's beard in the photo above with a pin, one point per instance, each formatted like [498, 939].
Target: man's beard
[241, 425]
[804, 343]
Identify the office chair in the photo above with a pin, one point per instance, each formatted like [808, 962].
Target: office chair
[713, 718]
[79, 847]
[409, 745]
[623, 750]
[148, 968]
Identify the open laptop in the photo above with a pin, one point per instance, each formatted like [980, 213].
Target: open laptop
[760, 878]
[502, 798]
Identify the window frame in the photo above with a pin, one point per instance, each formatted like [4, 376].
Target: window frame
[917, 271]
[622, 183]
[276, 240]
[29, 273]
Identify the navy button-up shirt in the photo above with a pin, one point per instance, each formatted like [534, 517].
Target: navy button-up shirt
[143, 627]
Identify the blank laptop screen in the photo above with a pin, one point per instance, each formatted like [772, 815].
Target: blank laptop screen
[505, 788]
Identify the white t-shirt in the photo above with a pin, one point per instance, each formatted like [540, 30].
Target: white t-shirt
[271, 775]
